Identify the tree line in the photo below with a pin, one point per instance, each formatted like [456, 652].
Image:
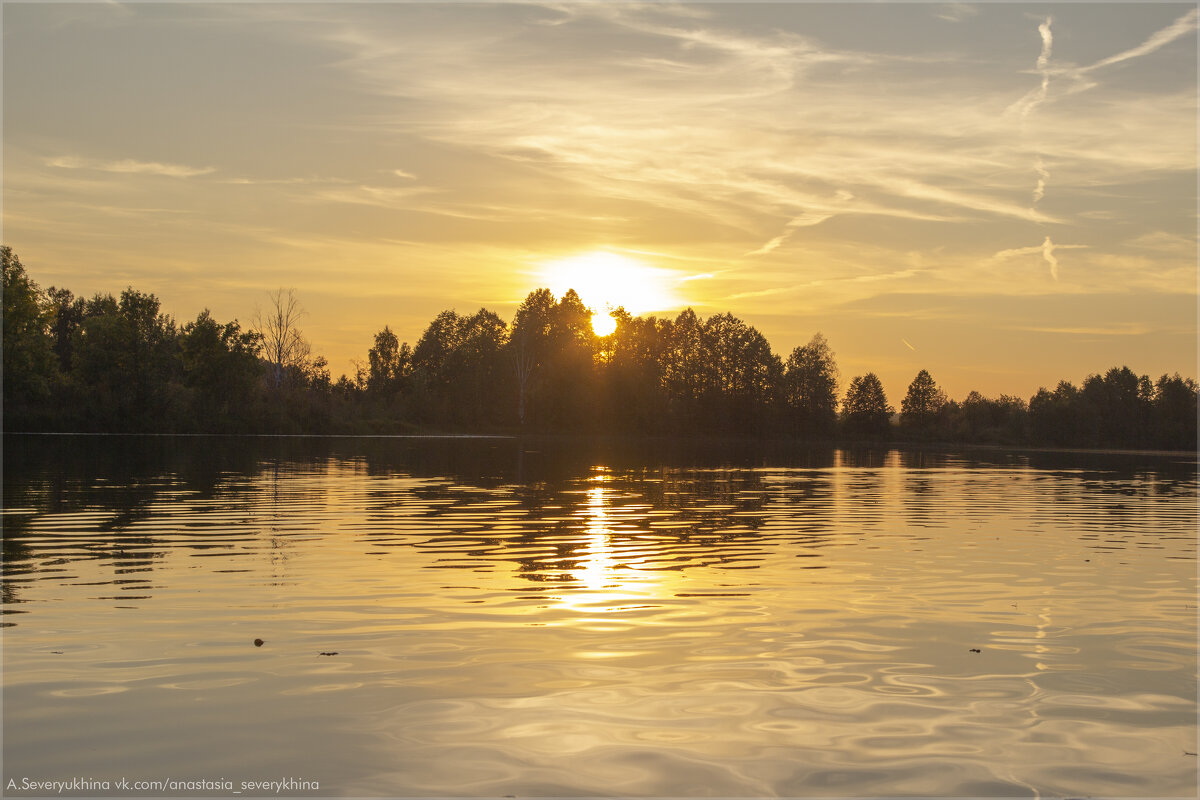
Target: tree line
[120, 364]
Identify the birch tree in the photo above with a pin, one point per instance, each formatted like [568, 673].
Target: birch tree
[283, 345]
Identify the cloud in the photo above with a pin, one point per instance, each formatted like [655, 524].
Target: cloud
[642, 113]
[1078, 78]
[802, 221]
[1180, 27]
[721, 133]
[1048, 254]
[380, 196]
[1039, 191]
[956, 12]
[1045, 250]
[979, 202]
[1047, 43]
[856, 279]
[1036, 97]
[692, 117]
[1116, 329]
[310, 181]
[763, 292]
[1166, 243]
[128, 166]
[769, 246]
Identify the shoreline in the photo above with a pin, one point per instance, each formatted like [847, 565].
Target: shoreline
[628, 439]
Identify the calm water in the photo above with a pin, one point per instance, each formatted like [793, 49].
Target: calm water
[545, 619]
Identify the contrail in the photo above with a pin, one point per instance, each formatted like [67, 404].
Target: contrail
[1039, 191]
[802, 221]
[1180, 27]
[1037, 96]
[1043, 62]
[771, 245]
[1048, 254]
[1047, 43]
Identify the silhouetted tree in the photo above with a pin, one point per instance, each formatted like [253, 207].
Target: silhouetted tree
[1175, 413]
[119, 363]
[284, 346]
[483, 379]
[993, 421]
[810, 387]
[743, 376]
[865, 411]
[127, 364]
[686, 371]
[921, 405]
[434, 367]
[568, 385]
[221, 371]
[29, 368]
[65, 315]
[1118, 408]
[632, 365]
[458, 372]
[389, 364]
[1054, 416]
[530, 345]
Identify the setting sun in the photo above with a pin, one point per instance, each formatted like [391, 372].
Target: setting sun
[608, 281]
[603, 323]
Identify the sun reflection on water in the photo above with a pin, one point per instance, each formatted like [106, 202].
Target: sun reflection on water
[600, 567]
[607, 577]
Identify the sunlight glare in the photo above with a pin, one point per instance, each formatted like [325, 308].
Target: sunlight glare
[607, 281]
[603, 323]
[607, 580]
[598, 570]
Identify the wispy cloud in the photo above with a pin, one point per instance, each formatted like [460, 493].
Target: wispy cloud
[874, 277]
[308, 181]
[802, 221]
[1045, 250]
[956, 12]
[381, 196]
[1048, 254]
[128, 166]
[1043, 174]
[687, 116]
[1047, 44]
[769, 246]
[1037, 96]
[1116, 329]
[1078, 77]
[1181, 27]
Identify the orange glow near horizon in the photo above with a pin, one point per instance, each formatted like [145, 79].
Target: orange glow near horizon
[607, 281]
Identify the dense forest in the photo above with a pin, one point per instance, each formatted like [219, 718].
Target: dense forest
[120, 364]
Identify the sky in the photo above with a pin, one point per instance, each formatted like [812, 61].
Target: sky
[1002, 194]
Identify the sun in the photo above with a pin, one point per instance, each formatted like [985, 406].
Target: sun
[603, 323]
[607, 281]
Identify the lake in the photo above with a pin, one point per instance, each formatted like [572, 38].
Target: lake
[496, 617]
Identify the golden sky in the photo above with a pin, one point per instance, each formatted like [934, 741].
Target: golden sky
[1003, 194]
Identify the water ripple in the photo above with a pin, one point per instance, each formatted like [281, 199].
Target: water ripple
[869, 624]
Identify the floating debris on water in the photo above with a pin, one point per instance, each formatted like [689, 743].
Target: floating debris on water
[258, 642]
